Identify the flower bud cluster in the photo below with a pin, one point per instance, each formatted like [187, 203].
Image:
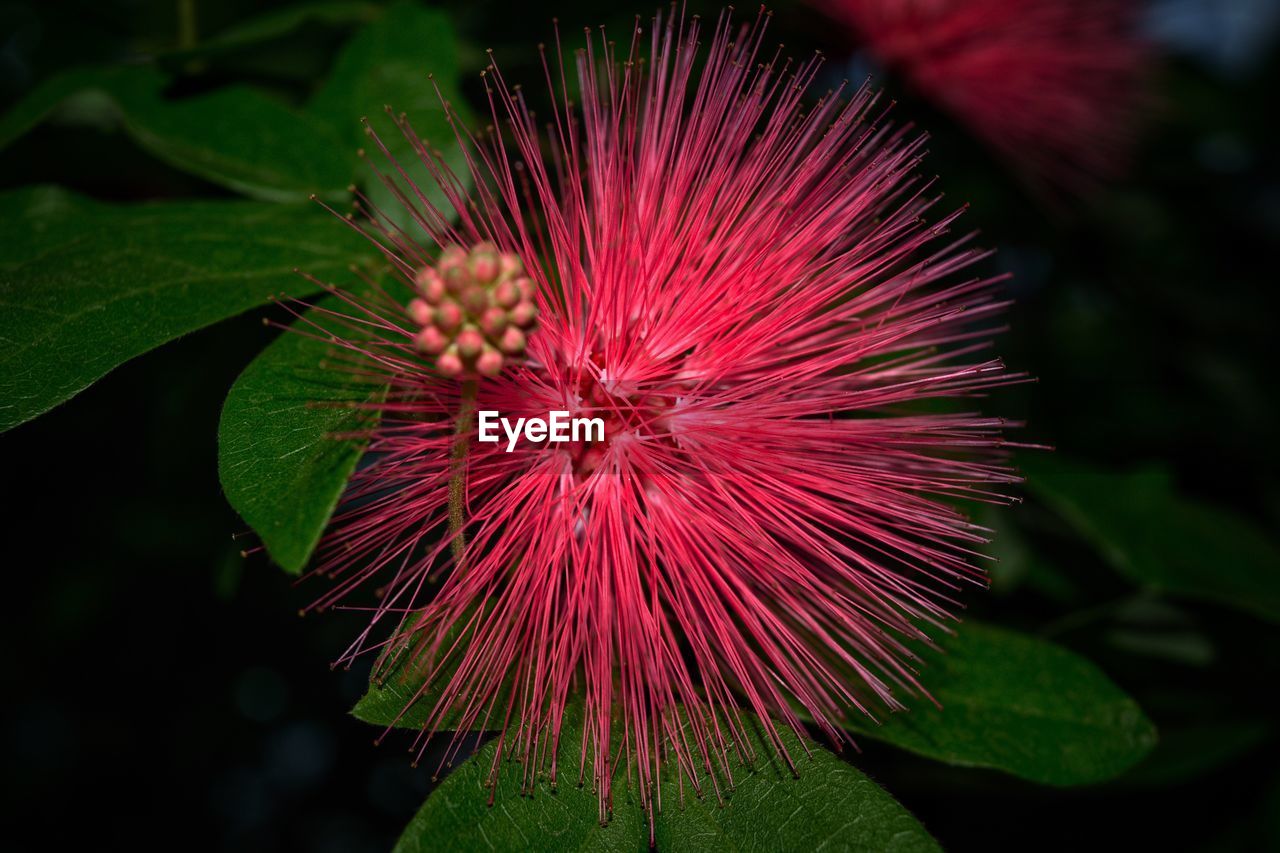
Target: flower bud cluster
[475, 309]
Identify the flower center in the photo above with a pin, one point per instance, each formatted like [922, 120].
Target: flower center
[628, 415]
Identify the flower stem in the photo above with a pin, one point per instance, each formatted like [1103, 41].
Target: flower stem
[458, 470]
[188, 34]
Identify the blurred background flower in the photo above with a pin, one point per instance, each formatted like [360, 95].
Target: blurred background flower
[1056, 87]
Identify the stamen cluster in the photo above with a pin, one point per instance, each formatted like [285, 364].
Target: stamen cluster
[753, 289]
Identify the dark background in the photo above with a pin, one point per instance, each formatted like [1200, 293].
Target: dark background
[159, 690]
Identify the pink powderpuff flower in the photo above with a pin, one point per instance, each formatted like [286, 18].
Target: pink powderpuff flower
[744, 289]
[1055, 86]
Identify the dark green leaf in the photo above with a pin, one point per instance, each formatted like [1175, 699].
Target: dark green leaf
[282, 455]
[1022, 705]
[87, 286]
[1160, 540]
[278, 23]
[386, 64]
[831, 805]
[236, 136]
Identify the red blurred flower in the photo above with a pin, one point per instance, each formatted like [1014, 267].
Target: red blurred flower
[745, 290]
[1055, 86]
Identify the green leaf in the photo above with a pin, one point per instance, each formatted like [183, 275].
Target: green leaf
[86, 286]
[831, 805]
[279, 23]
[1022, 705]
[235, 136]
[386, 64]
[282, 463]
[1160, 540]
[396, 695]
[388, 703]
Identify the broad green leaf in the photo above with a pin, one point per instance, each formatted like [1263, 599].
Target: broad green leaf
[236, 136]
[1010, 702]
[829, 805]
[284, 456]
[1160, 540]
[1022, 705]
[386, 64]
[86, 286]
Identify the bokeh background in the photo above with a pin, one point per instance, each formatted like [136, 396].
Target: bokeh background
[160, 690]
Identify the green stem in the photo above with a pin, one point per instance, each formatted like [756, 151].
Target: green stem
[188, 35]
[458, 470]
[1077, 619]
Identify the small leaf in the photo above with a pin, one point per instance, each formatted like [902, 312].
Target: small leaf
[235, 136]
[388, 703]
[282, 457]
[831, 805]
[397, 698]
[1150, 626]
[386, 64]
[399, 695]
[1022, 705]
[1160, 540]
[87, 286]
